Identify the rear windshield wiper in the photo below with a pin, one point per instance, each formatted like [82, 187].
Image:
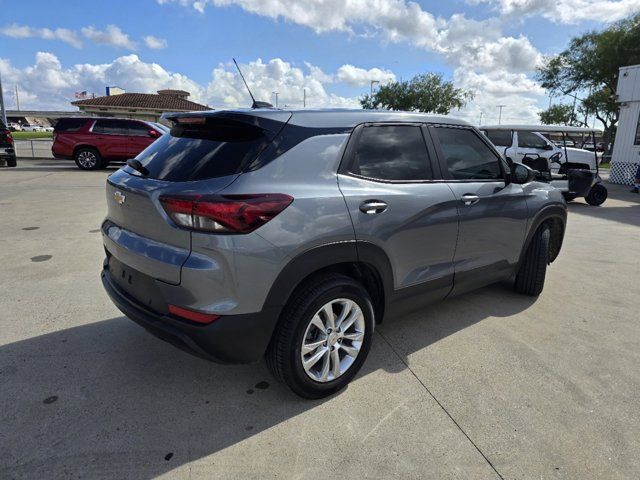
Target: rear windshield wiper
[137, 166]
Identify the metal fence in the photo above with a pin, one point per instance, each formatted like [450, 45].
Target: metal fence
[39, 148]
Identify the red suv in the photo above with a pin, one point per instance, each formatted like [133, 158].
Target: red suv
[94, 142]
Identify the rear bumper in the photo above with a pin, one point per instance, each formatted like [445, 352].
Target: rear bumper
[230, 339]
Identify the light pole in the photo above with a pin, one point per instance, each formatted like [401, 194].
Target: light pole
[276, 94]
[500, 114]
[3, 113]
[371, 87]
[480, 122]
[304, 97]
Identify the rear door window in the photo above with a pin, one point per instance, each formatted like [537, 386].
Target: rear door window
[500, 138]
[466, 156]
[207, 148]
[70, 124]
[391, 152]
[530, 140]
[111, 127]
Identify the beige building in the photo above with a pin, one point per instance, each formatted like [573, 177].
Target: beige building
[141, 106]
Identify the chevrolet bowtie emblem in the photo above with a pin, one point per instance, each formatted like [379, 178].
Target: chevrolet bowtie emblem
[119, 197]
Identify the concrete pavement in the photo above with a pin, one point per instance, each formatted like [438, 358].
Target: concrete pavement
[487, 385]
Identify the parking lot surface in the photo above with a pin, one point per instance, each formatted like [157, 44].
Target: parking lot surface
[487, 385]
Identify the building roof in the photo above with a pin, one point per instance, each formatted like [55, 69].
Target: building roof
[333, 117]
[164, 102]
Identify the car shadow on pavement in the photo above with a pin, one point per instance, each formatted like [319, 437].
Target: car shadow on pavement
[108, 399]
[629, 214]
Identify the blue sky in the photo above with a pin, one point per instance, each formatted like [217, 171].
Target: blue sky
[53, 49]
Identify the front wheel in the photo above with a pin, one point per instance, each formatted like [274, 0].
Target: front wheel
[597, 195]
[323, 337]
[533, 267]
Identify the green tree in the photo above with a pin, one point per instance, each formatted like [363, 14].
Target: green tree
[589, 67]
[559, 114]
[423, 93]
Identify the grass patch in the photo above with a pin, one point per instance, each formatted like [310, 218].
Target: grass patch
[31, 135]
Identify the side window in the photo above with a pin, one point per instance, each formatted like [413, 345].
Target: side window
[392, 152]
[530, 140]
[467, 156]
[500, 138]
[138, 129]
[111, 127]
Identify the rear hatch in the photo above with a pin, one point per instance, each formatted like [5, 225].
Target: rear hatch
[202, 155]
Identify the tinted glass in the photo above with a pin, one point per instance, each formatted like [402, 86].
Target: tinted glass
[392, 153]
[500, 138]
[70, 124]
[198, 152]
[138, 129]
[111, 127]
[530, 140]
[467, 156]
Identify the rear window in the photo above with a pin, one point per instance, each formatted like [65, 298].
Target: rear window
[70, 124]
[209, 148]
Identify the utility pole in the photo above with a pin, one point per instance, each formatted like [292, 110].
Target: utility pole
[371, 87]
[276, 94]
[3, 113]
[500, 114]
[304, 98]
[480, 122]
[17, 98]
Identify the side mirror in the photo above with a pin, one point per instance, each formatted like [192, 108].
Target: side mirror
[154, 134]
[521, 174]
[548, 146]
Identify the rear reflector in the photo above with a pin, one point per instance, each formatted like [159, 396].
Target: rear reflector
[193, 315]
[225, 213]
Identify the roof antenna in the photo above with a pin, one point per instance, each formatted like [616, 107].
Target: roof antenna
[254, 104]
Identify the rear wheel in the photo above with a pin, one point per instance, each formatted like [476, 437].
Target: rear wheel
[597, 195]
[323, 337]
[533, 269]
[88, 159]
[12, 162]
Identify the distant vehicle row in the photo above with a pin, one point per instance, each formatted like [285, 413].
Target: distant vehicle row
[95, 142]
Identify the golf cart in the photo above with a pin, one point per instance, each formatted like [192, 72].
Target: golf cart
[573, 171]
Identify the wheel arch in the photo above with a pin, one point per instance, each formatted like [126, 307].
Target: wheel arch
[87, 146]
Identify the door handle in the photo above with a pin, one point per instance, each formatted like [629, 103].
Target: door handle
[470, 199]
[371, 207]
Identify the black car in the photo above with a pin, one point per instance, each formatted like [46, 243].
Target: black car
[7, 149]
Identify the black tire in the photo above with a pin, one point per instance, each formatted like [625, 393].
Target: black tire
[569, 197]
[597, 195]
[530, 277]
[88, 158]
[12, 162]
[284, 353]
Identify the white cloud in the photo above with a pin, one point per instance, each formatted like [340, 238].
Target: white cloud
[23, 31]
[112, 35]
[567, 11]
[155, 43]
[47, 84]
[360, 77]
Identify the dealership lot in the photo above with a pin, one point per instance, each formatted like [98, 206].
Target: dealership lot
[487, 385]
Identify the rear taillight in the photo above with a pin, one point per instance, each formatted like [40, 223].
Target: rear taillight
[225, 213]
[8, 136]
[193, 315]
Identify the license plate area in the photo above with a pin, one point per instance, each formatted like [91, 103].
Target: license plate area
[140, 287]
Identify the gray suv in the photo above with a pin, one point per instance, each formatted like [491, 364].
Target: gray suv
[290, 234]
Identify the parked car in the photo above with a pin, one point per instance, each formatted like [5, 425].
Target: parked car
[7, 148]
[32, 128]
[572, 170]
[94, 142]
[291, 234]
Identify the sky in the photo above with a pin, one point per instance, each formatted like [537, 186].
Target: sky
[332, 49]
